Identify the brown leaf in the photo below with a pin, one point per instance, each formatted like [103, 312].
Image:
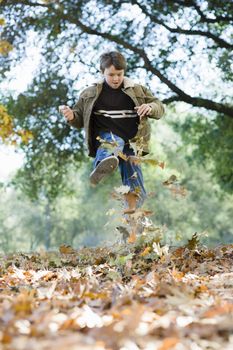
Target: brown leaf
[131, 199]
[169, 343]
[178, 190]
[226, 308]
[177, 275]
[193, 242]
[162, 165]
[170, 180]
[146, 251]
[66, 249]
[122, 155]
[135, 160]
[6, 338]
[132, 238]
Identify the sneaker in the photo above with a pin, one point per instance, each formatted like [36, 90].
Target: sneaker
[103, 169]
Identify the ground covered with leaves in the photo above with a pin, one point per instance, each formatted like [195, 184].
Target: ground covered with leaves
[137, 295]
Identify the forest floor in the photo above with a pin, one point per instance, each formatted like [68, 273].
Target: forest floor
[137, 295]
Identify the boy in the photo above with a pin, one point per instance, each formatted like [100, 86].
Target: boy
[115, 110]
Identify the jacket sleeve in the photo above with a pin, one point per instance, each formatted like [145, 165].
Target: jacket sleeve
[77, 122]
[158, 109]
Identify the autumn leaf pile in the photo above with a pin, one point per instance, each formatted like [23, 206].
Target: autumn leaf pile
[127, 297]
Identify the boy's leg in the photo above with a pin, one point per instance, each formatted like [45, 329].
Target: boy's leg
[131, 175]
[105, 161]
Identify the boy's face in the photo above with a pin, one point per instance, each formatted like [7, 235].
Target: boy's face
[113, 76]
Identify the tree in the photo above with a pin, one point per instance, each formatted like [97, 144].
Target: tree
[152, 32]
[174, 42]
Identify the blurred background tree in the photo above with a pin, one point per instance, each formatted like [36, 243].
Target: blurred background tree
[181, 49]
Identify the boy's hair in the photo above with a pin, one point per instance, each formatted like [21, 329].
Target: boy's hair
[112, 58]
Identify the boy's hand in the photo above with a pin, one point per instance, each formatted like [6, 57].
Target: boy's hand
[67, 112]
[143, 110]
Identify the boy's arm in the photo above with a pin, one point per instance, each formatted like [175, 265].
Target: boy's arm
[157, 108]
[77, 121]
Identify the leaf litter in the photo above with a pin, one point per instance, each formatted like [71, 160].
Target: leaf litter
[136, 295]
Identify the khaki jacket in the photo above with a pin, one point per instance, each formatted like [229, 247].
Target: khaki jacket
[138, 93]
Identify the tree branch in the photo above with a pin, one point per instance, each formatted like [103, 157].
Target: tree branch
[168, 100]
[179, 94]
[221, 43]
[195, 101]
[203, 16]
[24, 2]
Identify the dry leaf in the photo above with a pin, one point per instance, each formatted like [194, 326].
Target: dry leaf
[132, 238]
[146, 251]
[170, 180]
[169, 343]
[66, 249]
[122, 189]
[122, 155]
[131, 199]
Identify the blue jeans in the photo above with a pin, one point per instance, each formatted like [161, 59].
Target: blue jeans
[127, 168]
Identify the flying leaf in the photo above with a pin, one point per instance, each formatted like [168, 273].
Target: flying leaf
[122, 189]
[193, 242]
[161, 165]
[135, 160]
[122, 155]
[134, 176]
[170, 180]
[111, 212]
[132, 238]
[131, 199]
[151, 161]
[66, 249]
[125, 233]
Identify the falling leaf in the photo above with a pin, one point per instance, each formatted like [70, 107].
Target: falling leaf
[125, 233]
[132, 238]
[111, 212]
[122, 189]
[178, 190]
[107, 144]
[151, 161]
[131, 200]
[122, 155]
[170, 180]
[66, 249]
[193, 242]
[134, 176]
[135, 160]
[162, 165]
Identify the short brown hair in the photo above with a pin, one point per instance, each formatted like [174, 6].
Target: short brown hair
[112, 58]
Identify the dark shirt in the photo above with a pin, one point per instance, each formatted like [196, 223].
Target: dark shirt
[114, 112]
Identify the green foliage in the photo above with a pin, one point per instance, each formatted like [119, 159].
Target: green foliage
[54, 144]
[202, 209]
[211, 142]
[77, 216]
